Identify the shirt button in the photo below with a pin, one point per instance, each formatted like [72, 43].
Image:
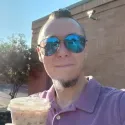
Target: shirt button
[58, 117]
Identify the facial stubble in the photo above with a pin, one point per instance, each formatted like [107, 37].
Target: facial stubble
[69, 83]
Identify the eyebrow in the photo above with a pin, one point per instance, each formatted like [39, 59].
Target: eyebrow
[59, 36]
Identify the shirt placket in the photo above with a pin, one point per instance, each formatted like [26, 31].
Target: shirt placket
[57, 119]
[57, 115]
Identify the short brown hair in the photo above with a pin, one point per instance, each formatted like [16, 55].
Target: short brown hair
[64, 13]
[61, 13]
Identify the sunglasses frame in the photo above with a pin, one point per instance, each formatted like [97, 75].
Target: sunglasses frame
[62, 40]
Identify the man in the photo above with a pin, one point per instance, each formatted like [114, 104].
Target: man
[74, 99]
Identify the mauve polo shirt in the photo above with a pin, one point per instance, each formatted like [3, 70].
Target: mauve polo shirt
[97, 105]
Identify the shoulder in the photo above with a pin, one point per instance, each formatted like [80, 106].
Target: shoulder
[115, 100]
[122, 107]
[113, 94]
[40, 94]
[48, 94]
[110, 92]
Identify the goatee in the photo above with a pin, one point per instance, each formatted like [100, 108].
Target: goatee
[69, 83]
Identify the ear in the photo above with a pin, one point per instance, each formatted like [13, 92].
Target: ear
[86, 51]
[39, 54]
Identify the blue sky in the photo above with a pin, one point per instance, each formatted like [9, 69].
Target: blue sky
[16, 16]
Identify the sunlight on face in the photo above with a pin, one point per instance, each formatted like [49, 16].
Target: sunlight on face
[63, 65]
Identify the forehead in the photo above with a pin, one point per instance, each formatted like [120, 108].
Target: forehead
[60, 27]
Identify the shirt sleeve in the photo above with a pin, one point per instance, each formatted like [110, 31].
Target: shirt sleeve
[40, 94]
[122, 109]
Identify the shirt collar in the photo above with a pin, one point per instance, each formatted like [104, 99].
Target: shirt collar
[51, 94]
[88, 98]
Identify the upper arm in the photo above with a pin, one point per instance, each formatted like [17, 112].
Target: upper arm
[122, 109]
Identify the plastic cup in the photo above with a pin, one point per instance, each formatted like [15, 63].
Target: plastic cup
[29, 110]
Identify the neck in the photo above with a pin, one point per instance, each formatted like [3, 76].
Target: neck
[66, 96]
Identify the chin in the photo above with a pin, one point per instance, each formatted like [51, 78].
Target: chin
[61, 78]
[66, 83]
[64, 78]
[63, 75]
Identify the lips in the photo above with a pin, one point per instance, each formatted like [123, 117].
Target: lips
[64, 65]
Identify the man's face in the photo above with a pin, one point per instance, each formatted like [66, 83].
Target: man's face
[63, 65]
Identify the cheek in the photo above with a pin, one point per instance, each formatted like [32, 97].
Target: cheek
[47, 62]
[80, 59]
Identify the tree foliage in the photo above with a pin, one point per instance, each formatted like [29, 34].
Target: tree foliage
[16, 60]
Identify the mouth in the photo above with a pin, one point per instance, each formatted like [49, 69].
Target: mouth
[64, 66]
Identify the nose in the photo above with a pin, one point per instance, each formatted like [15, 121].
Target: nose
[62, 52]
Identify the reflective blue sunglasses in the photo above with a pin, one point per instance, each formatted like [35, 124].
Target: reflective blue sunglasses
[73, 42]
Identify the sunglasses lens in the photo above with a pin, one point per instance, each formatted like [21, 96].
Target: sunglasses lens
[75, 43]
[51, 46]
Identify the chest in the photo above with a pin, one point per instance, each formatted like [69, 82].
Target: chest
[79, 117]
